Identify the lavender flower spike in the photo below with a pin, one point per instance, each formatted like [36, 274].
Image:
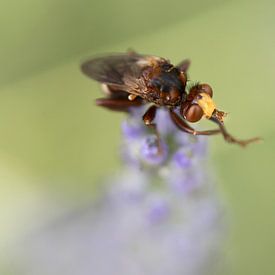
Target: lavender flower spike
[161, 214]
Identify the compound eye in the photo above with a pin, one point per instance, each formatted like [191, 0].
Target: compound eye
[194, 113]
[206, 89]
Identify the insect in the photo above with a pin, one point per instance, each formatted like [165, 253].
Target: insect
[131, 79]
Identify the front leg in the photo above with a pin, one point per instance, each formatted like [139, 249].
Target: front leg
[148, 118]
[185, 127]
[230, 138]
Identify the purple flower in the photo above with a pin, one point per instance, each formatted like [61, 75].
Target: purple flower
[164, 123]
[158, 210]
[182, 159]
[200, 147]
[132, 129]
[160, 215]
[129, 186]
[152, 152]
[183, 139]
[183, 182]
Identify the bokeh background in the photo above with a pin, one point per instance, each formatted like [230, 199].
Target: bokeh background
[56, 147]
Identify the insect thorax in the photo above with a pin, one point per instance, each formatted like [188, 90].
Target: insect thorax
[166, 87]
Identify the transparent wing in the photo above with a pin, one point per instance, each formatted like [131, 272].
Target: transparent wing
[113, 68]
[120, 70]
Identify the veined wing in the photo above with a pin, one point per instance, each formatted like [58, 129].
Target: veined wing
[121, 70]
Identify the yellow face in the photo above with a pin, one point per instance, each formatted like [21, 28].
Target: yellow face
[206, 103]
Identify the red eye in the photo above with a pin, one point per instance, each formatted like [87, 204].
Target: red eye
[194, 113]
[207, 89]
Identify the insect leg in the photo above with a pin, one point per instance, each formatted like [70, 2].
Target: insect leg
[184, 65]
[230, 138]
[150, 115]
[148, 118]
[118, 104]
[185, 127]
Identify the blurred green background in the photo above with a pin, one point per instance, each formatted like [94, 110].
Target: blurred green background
[56, 146]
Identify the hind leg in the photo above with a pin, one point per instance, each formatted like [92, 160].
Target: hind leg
[118, 104]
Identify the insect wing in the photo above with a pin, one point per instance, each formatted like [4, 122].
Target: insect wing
[113, 69]
[122, 71]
